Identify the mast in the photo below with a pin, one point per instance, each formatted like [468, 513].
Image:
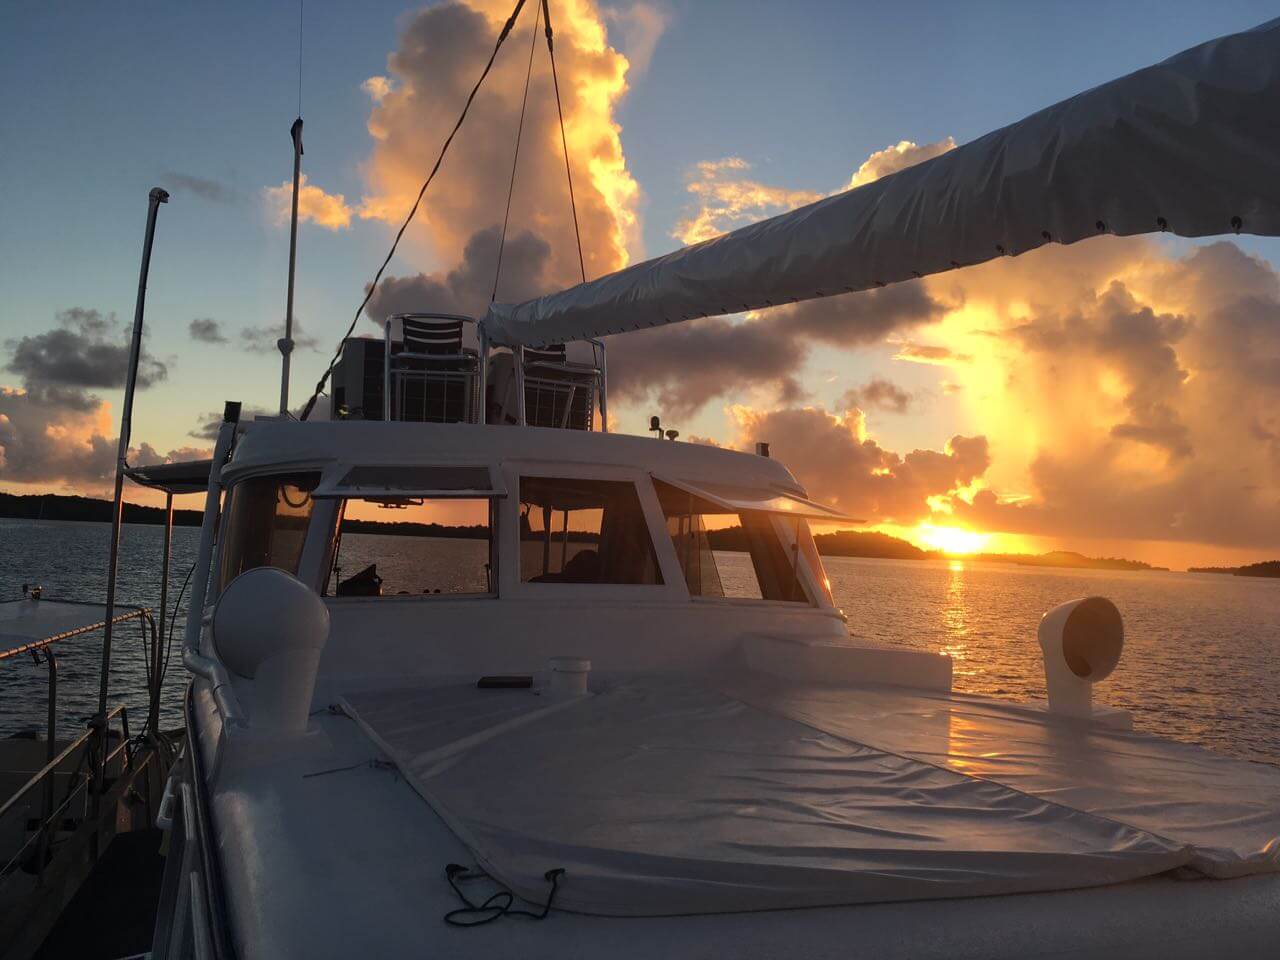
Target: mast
[155, 198]
[286, 343]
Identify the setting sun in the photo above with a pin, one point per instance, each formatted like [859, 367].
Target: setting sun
[951, 539]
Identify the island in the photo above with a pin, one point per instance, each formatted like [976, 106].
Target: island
[1267, 568]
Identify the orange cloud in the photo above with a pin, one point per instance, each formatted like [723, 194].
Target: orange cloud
[441, 52]
[329, 210]
[901, 155]
[726, 199]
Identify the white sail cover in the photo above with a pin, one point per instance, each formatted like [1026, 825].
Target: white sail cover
[1190, 145]
[662, 796]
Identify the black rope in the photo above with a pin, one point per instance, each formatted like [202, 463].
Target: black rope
[573, 205]
[173, 619]
[506, 29]
[498, 904]
[515, 159]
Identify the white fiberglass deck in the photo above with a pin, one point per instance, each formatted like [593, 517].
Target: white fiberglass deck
[663, 796]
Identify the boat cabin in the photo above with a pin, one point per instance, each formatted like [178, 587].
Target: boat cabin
[506, 547]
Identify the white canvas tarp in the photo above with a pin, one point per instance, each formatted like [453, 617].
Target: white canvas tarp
[1190, 145]
[664, 796]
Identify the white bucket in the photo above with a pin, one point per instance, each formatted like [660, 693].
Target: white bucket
[569, 676]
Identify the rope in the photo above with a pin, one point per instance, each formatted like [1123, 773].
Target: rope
[515, 159]
[496, 905]
[573, 205]
[324, 379]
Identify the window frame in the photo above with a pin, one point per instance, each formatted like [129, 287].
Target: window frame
[334, 538]
[814, 598]
[226, 507]
[672, 588]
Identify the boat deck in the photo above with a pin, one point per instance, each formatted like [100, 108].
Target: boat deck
[351, 843]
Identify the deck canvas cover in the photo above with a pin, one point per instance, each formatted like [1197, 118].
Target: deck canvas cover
[1189, 145]
[667, 796]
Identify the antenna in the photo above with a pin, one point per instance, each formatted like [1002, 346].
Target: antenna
[285, 343]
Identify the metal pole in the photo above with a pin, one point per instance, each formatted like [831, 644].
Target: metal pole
[155, 198]
[518, 357]
[484, 373]
[286, 344]
[604, 386]
[51, 752]
[386, 373]
[157, 652]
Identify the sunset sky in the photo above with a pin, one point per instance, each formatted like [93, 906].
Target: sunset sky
[1117, 397]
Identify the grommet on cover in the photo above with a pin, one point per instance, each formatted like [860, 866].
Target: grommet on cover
[1236, 224]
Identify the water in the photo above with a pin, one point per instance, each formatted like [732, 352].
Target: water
[1200, 661]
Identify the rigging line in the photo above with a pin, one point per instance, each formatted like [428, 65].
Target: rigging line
[573, 206]
[515, 159]
[324, 379]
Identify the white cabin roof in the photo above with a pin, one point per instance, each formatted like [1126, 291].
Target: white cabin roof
[277, 444]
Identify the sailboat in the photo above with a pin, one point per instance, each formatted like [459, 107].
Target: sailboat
[588, 741]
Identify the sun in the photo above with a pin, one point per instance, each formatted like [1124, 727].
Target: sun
[953, 540]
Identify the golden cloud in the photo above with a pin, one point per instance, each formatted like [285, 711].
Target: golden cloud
[328, 210]
[441, 52]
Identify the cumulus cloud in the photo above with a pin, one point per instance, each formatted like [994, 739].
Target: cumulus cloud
[880, 394]
[685, 366]
[832, 455]
[206, 330]
[215, 191]
[639, 27]
[897, 157]
[377, 88]
[467, 288]
[328, 210]
[263, 339]
[1146, 381]
[53, 429]
[86, 350]
[439, 55]
[726, 198]
[931, 354]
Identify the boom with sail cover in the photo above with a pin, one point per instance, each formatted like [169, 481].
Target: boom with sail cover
[1190, 146]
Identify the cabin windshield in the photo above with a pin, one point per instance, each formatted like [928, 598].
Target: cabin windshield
[413, 546]
[266, 523]
[706, 535]
[574, 530]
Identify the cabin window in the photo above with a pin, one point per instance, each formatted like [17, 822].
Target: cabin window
[731, 554]
[413, 546]
[584, 531]
[265, 524]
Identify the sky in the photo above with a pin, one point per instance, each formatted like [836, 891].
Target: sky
[1114, 397]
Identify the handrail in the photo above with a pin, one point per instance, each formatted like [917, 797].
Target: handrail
[49, 770]
[224, 694]
[52, 765]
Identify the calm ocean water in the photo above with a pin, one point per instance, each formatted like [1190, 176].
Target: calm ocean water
[1201, 657]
